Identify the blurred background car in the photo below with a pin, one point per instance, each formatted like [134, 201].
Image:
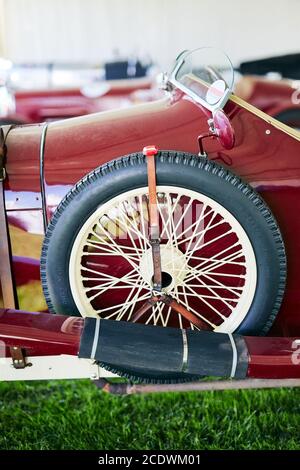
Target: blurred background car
[35, 93]
[32, 93]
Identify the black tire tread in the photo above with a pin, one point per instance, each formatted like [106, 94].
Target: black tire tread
[180, 158]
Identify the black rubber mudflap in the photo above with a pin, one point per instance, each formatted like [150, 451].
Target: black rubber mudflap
[156, 354]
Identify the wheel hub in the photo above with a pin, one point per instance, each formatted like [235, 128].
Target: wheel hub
[173, 266]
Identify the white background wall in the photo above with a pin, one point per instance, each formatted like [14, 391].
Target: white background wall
[49, 30]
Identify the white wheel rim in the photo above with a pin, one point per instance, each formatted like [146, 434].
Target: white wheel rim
[117, 231]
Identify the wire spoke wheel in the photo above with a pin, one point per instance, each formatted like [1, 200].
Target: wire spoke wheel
[208, 263]
[222, 253]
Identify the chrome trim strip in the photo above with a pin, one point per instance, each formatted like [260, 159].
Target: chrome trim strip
[42, 179]
[96, 337]
[185, 353]
[234, 356]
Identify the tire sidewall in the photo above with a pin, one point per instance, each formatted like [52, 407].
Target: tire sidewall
[105, 184]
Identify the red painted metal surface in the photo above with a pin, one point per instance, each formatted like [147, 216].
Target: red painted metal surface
[273, 97]
[40, 334]
[26, 268]
[271, 357]
[40, 105]
[268, 161]
[264, 156]
[224, 130]
[23, 167]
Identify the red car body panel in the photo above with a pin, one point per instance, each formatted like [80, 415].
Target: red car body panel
[263, 155]
[41, 334]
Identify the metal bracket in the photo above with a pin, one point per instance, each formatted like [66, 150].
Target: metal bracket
[2, 164]
[18, 357]
[207, 135]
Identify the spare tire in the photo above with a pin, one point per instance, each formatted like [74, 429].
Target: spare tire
[222, 252]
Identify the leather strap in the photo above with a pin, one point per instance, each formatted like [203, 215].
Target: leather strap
[154, 238]
[6, 276]
[185, 313]
[147, 305]
[179, 308]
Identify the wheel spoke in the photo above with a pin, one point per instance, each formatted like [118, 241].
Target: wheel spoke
[202, 235]
[122, 305]
[176, 295]
[191, 309]
[134, 299]
[192, 326]
[207, 303]
[229, 288]
[181, 219]
[201, 219]
[217, 264]
[143, 226]
[104, 287]
[213, 240]
[134, 228]
[114, 255]
[167, 224]
[133, 264]
[197, 269]
[132, 274]
[166, 320]
[158, 307]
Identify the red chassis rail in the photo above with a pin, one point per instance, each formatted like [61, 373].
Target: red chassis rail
[50, 344]
[56, 340]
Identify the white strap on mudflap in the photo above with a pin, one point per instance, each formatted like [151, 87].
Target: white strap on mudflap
[234, 356]
[96, 338]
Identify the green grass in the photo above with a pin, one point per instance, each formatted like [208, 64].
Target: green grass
[76, 415]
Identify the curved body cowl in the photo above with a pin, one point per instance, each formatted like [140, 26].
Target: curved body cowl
[263, 155]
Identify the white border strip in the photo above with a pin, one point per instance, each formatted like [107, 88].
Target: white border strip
[52, 367]
[96, 338]
[234, 356]
[185, 353]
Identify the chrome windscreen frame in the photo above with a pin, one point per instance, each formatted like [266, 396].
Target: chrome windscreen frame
[211, 107]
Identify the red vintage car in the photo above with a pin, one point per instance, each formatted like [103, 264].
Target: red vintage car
[222, 183]
[273, 85]
[46, 105]
[278, 98]
[52, 104]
